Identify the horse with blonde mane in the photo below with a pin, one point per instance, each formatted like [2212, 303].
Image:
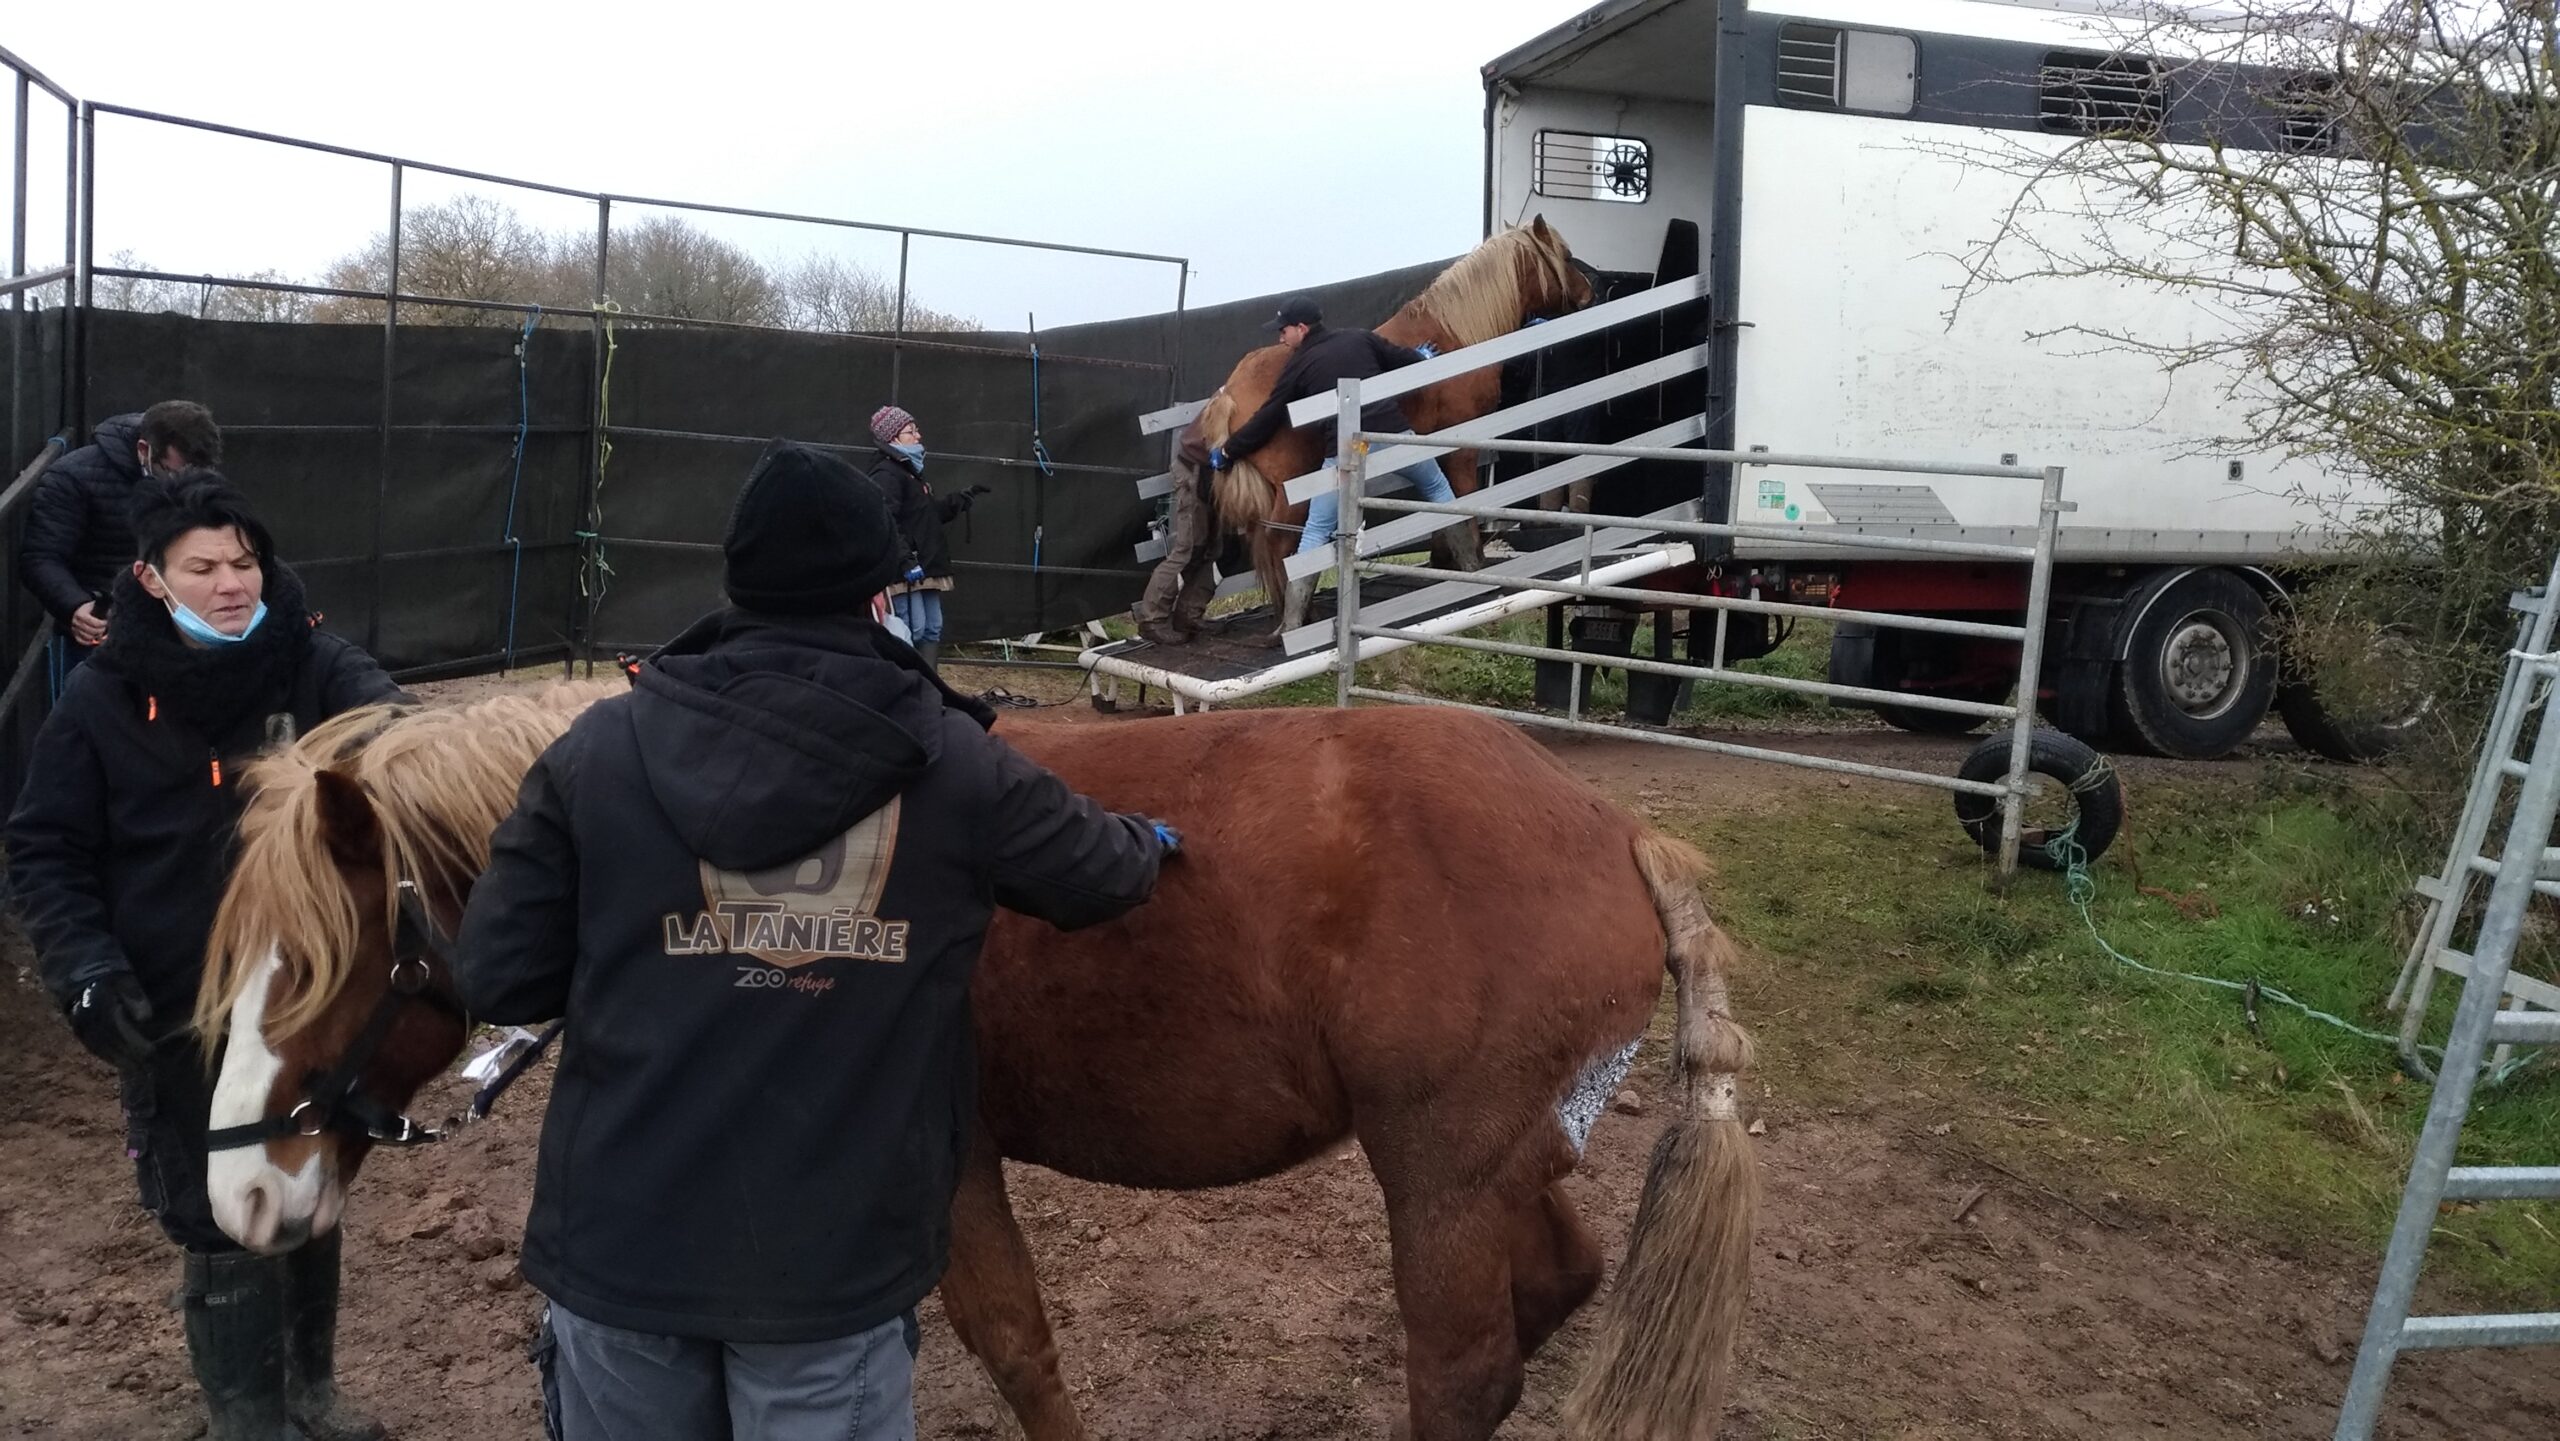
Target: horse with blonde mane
[1521, 273]
[1464, 1016]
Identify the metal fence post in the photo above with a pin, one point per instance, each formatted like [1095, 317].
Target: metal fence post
[76, 344]
[1351, 462]
[583, 600]
[390, 350]
[2013, 807]
[898, 325]
[18, 266]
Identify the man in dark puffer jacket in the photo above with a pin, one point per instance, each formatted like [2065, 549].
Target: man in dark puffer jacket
[79, 537]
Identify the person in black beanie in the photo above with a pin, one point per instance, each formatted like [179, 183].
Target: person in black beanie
[119, 848]
[756, 886]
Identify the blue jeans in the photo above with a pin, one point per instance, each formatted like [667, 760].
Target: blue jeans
[602, 1383]
[1428, 483]
[922, 612]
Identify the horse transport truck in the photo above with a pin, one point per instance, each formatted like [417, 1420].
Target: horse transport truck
[1825, 165]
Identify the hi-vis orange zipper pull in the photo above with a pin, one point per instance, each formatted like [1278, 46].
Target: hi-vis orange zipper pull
[217, 768]
[154, 713]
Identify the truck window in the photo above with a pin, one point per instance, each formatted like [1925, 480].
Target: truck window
[2089, 94]
[1826, 67]
[1572, 165]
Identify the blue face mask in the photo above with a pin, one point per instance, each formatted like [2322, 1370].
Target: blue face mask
[914, 454]
[196, 628]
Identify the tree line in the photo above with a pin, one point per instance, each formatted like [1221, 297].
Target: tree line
[475, 248]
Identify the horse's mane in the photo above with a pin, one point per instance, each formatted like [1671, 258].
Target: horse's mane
[440, 778]
[1481, 295]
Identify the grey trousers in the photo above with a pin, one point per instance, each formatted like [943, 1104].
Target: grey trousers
[602, 1383]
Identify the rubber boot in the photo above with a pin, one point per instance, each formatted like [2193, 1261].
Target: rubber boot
[311, 1345]
[932, 652]
[234, 1312]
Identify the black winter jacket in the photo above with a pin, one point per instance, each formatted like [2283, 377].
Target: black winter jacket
[121, 841]
[756, 887]
[79, 521]
[1324, 357]
[919, 513]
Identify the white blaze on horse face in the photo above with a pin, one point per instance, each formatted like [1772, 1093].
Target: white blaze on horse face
[257, 1203]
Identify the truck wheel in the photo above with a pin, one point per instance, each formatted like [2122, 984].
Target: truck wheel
[2199, 674]
[2086, 801]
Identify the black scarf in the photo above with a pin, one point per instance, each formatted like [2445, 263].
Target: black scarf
[211, 689]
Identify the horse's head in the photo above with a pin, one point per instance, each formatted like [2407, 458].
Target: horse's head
[324, 979]
[1521, 274]
[1556, 283]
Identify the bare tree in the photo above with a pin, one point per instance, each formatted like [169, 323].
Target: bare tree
[828, 292]
[665, 266]
[197, 298]
[467, 248]
[2368, 225]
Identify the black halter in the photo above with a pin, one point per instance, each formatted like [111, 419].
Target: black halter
[331, 1099]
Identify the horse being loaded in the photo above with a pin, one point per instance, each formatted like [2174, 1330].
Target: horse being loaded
[1328, 968]
[1521, 273]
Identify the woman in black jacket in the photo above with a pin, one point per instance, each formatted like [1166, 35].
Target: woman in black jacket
[118, 852]
[919, 515]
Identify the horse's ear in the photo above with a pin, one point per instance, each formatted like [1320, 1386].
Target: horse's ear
[1538, 226]
[347, 819]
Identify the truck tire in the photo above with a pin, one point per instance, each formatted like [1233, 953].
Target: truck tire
[2097, 795]
[2198, 674]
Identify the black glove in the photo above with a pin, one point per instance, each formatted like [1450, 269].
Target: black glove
[980, 490]
[112, 1017]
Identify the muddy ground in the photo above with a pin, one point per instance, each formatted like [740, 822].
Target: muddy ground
[1265, 1311]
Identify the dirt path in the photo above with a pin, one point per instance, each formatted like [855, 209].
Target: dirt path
[1264, 1311]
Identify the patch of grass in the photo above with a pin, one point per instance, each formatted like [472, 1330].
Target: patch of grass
[1893, 968]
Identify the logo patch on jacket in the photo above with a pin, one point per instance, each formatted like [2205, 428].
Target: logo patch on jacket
[823, 905]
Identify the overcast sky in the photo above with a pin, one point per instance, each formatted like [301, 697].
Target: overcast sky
[1259, 139]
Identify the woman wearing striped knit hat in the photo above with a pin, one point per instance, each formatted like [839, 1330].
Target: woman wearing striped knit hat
[920, 514]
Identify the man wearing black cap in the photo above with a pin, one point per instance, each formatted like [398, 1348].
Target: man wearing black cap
[756, 887]
[1323, 357]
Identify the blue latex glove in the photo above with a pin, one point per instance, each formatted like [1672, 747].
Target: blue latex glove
[914, 573]
[1218, 458]
[1167, 837]
[1538, 319]
[1426, 350]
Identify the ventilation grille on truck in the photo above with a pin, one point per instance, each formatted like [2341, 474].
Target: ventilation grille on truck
[2103, 94]
[1809, 64]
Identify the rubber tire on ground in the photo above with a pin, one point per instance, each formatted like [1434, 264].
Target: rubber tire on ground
[2093, 781]
[2147, 718]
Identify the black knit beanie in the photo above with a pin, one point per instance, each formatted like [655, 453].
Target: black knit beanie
[810, 535]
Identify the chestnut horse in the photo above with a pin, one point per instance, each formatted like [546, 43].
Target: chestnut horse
[1494, 289]
[1323, 963]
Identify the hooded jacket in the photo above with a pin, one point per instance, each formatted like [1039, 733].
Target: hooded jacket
[78, 538]
[121, 841]
[756, 886]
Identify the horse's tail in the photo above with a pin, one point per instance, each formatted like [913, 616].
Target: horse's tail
[1659, 1367]
[1247, 500]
